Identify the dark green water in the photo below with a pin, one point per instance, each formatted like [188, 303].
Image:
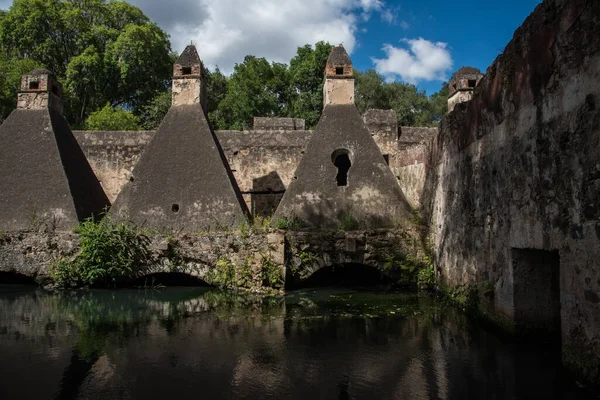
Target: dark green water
[202, 343]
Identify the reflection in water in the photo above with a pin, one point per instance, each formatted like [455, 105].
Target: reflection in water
[202, 342]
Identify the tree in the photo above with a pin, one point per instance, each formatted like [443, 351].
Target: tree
[104, 51]
[112, 119]
[154, 112]
[306, 72]
[256, 88]
[11, 70]
[370, 91]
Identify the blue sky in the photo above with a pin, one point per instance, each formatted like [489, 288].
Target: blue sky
[475, 31]
[421, 42]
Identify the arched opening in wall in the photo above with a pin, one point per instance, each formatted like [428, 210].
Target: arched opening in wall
[348, 275]
[341, 159]
[12, 278]
[169, 279]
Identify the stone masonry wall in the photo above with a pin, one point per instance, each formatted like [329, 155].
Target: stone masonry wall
[514, 179]
[296, 254]
[112, 155]
[263, 161]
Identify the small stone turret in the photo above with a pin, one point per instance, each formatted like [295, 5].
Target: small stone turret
[189, 86]
[339, 81]
[40, 90]
[462, 84]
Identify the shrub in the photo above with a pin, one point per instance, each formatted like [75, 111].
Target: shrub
[426, 278]
[271, 274]
[349, 223]
[291, 223]
[223, 274]
[110, 251]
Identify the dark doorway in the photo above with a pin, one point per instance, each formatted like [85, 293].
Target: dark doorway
[536, 295]
[341, 160]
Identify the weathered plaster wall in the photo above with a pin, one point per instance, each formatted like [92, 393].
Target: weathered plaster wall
[405, 150]
[112, 155]
[459, 97]
[263, 160]
[518, 168]
[263, 163]
[338, 91]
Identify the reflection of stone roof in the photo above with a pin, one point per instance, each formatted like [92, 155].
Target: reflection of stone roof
[189, 57]
[338, 56]
[413, 134]
[41, 72]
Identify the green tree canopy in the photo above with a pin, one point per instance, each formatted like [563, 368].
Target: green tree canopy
[104, 51]
[256, 88]
[112, 119]
[306, 78]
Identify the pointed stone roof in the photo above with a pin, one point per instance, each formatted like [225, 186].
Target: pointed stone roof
[338, 56]
[189, 57]
[182, 181]
[45, 177]
[372, 195]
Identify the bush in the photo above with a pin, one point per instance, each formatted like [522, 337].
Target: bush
[112, 119]
[110, 251]
[291, 223]
[271, 273]
[426, 278]
[223, 274]
[349, 223]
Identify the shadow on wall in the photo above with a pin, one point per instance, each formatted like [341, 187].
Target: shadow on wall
[267, 192]
[330, 214]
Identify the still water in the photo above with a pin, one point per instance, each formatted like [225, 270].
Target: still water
[201, 343]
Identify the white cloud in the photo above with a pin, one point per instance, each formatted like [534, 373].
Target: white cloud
[404, 25]
[388, 16]
[422, 60]
[225, 31]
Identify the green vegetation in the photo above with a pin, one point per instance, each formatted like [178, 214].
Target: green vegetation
[223, 274]
[271, 273]
[110, 251]
[103, 51]
[110, 52]
[113, 119]
[349, 223]
[244, 274]
[290, 223]
[426, 278]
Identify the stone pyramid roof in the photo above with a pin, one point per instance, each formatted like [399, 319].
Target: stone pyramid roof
[45, 177]
[182, 181]
[189, 57]
[338, 56]
[372, 195]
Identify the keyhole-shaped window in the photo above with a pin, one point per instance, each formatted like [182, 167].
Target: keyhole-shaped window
[341, 159]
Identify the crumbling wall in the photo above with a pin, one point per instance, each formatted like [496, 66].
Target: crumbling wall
[517, 168]
[405, 150]
[264, 160]
[263, 163]
[112, 155]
